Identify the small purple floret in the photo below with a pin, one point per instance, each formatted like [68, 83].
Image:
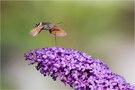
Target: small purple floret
[77, 69]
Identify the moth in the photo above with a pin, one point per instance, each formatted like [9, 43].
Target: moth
[53, 29]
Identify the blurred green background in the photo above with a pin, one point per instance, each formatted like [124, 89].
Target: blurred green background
[103, 29]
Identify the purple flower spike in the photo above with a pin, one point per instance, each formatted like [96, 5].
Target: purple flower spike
[77, 69]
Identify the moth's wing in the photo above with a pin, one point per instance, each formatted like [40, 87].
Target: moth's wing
[36, 30]
[58, 31]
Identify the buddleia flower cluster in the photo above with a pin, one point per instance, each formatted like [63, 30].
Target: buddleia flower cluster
[77, 69]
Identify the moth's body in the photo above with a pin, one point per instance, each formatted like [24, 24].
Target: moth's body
[48, 27]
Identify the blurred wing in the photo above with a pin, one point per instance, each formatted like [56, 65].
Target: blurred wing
[36, 30]
[58, 32]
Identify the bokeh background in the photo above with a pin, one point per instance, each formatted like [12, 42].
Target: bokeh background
[103, 29]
